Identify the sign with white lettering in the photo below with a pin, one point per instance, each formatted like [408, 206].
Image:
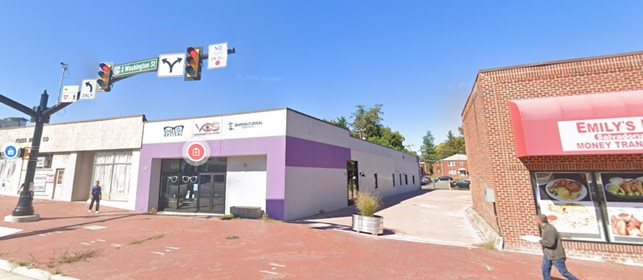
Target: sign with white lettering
[616, 134]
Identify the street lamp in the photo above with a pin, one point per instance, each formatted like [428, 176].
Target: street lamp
[40, 115]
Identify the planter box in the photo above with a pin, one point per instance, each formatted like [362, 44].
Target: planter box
[247, 212]
[373, 225]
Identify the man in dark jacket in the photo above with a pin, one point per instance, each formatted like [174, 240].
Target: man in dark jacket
[553, 251]
[96, 193]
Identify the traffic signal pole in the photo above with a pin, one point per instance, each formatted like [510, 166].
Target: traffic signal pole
[40, 115]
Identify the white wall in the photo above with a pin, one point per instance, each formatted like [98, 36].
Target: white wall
[106, 134]
[246, 125]
[246, 182]
[58, 161]
[311, 190]
[385, 166]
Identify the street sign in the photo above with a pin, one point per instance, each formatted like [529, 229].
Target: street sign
[10, 151]
[88, 89]
[137, 67]
[171, 65]
[70, 93]
[217, 55]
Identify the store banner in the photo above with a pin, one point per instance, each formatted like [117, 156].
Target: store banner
[250, 125]
[624, 200]
[588, 124]
[567, 201]
[615, 134]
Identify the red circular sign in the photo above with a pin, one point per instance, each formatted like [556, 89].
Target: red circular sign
[196, 152]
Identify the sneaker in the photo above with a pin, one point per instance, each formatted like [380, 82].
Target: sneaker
[89, 211]
[96, 212]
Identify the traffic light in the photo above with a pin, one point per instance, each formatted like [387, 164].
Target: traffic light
[24, 153]
[193, 63]
[105, 74]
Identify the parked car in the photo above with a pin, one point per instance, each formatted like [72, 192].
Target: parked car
[445, 178]
[425, 180]
[460, 184]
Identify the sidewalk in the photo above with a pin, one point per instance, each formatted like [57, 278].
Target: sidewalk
[118, 244]
[425, 216]
[5, 275]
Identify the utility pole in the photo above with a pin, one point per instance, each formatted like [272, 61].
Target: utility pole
[40, 115]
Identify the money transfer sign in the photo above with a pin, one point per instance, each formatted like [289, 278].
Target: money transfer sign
[614, 134]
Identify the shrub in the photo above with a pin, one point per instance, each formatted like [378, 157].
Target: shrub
[367, 204]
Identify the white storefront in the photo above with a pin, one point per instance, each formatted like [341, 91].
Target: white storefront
[286, 163]
[74, 155]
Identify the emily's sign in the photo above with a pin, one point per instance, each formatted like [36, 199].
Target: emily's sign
[615, 134]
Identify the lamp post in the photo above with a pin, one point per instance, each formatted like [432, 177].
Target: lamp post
[40, 115]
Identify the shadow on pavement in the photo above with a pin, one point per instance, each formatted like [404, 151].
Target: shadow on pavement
[348, 212]
[68, 227]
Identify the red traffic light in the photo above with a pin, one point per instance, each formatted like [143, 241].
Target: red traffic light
[193, 52]
[105, 77]
[104, 67]
[193, 63]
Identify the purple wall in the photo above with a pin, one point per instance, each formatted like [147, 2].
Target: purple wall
[274, 147]
[281, 151]
[306, 153]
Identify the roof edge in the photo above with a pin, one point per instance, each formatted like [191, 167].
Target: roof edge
[560, 61]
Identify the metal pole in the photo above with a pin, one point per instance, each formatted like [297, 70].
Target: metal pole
[25, 202]
[62, 77]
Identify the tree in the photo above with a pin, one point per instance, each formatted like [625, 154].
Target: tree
[367, 125]
[389, 138]
[340, 121]
[367, 122]
[453, 145]
[427, 150]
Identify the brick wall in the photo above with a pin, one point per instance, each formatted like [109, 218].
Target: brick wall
[491, 148]
[442, 168]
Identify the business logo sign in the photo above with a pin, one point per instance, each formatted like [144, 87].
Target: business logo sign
[615, 134]
[173, 131]
[207, 128]
[243, 125]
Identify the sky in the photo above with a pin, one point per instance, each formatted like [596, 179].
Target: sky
[417, 58]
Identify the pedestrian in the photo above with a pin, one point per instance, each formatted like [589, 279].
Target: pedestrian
[553, 251]
[97, 193]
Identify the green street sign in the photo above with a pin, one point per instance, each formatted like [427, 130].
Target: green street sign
[136, 67]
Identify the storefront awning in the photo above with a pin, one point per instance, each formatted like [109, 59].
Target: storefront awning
[606, 123]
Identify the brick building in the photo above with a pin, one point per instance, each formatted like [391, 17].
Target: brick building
[562, 138]
[454, 166]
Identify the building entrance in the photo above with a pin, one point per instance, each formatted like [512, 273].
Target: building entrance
[187, 188]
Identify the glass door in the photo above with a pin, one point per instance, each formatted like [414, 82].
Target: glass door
[170, 181]
[211, 192]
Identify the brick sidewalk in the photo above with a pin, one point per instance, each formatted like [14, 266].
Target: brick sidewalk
[206, 248]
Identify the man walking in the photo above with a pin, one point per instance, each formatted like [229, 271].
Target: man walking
[553, 251]
[97, 193]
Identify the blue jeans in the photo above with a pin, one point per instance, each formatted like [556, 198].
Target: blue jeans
[560, 265]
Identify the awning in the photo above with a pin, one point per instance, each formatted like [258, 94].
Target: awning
[605, 123]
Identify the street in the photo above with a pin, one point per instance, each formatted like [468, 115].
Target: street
[119, 244]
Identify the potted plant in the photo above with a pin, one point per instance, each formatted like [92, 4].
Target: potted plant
[365, 219]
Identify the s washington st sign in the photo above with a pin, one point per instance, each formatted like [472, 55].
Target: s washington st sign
[137, 67]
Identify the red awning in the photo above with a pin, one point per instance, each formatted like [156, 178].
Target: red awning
[605, 123]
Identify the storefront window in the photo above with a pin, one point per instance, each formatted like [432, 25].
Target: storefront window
[113, 170]
[570, 202]
[623, 193]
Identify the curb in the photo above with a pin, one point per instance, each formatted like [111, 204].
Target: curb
[33, 273]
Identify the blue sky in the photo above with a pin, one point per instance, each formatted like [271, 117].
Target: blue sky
[418, 58]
